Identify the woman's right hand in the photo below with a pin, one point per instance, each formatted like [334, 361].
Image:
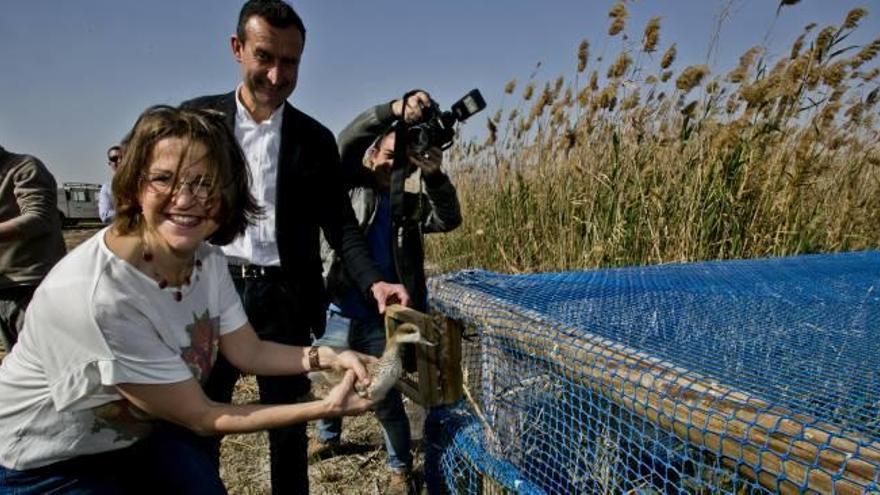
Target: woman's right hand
[343, 400]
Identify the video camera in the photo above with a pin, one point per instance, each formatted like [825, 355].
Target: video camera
[437, 128]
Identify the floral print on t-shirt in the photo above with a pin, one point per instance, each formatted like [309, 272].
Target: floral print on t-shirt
[204, 335]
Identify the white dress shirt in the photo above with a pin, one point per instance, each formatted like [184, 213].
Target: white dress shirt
[261, 143]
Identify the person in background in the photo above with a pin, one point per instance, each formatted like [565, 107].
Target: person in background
[103, 392]
[276, 263]
[369, 140]
[30, 236]
[105, 196]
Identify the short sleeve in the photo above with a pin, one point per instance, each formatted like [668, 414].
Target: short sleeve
[139, 354]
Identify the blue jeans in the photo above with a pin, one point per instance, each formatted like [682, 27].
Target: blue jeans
[368, 336]
[170, 460]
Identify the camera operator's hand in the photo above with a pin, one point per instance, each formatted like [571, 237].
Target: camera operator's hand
[428, 162]
[413, 111]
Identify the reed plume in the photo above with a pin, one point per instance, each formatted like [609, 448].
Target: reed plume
[618, 15]
[620, 66]
[668, 57]
[853, 17]
[652, 35]
[583, 55]
[691, 77]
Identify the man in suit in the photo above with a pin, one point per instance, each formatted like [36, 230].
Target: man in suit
[276, 264]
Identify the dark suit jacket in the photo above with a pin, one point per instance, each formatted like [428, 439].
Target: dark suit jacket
[310, 196]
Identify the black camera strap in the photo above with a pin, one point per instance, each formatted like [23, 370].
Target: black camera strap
[397, 196]
[399, 173]
[401, 168]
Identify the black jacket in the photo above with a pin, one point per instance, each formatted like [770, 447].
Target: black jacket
[310, 199]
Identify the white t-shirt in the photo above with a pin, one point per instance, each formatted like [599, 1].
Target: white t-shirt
[94, 322]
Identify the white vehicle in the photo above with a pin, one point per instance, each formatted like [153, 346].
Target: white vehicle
[77, 202]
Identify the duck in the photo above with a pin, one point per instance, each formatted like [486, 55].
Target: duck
[385, 372]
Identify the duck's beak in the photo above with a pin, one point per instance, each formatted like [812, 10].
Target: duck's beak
[425, 341]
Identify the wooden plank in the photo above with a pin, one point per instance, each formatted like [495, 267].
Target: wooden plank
[427, 365]
[410, 389]
[424, 390]
[451, 379]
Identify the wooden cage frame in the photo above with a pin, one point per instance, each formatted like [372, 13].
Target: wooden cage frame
[439, 379]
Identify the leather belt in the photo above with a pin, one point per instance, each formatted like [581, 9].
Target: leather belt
[256, 271]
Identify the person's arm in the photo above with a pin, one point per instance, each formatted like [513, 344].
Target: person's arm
[105, 204]
[244, 350]
[36, 193]
[444, 211]
[184, 403]
[361, 132]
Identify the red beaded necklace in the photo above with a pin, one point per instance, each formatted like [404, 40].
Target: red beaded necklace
[177, 293]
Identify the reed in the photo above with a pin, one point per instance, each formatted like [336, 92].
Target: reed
[646, 163]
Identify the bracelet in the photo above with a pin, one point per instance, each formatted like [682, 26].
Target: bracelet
[314, 359]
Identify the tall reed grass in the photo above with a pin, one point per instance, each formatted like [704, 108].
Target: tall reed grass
[647, 160]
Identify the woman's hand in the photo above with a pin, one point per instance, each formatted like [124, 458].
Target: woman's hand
[356, 362]
[343, 400]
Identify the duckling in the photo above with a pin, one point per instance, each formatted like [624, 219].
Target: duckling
[385, 372]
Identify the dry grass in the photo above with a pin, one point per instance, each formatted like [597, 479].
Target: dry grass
[663, 161]
[359, 468]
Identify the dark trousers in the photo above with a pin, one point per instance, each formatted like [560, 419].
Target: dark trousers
[170, 460]
[271, 310]
[13, 302]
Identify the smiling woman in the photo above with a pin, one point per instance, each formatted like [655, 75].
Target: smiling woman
[104, 389]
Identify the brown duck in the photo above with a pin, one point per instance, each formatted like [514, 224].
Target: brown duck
[385, 372]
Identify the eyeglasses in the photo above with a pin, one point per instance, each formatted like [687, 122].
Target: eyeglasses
[113, 158]
[200, 187]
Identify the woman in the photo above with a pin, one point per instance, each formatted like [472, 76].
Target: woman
[124, 329]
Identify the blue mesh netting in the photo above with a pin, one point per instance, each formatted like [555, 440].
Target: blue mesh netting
[755, 376]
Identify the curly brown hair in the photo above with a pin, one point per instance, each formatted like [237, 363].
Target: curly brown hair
[226, 162]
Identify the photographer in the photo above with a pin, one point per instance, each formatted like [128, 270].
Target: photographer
[367, 147]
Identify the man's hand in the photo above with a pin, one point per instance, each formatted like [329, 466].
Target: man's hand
[413, 111]
[385, 293]
[428, 162]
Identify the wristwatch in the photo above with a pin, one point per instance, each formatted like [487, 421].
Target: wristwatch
[314, 359]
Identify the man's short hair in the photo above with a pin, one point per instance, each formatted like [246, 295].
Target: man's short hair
[115, 147]
[276, 12]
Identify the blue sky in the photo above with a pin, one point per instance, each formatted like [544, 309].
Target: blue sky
[75, 75]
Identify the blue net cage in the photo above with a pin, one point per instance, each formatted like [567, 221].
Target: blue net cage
[757, 376]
